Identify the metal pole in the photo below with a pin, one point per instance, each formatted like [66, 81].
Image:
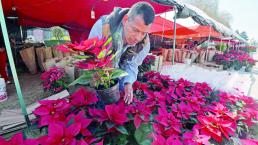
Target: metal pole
[21, 34]
[174, 37]
[13, 69]
[209, 38]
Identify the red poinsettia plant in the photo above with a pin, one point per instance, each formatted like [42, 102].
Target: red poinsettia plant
[96, 63]
[148, 62]
[54, 80]
[164, 112]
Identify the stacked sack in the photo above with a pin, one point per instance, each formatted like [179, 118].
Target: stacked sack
[180, 55]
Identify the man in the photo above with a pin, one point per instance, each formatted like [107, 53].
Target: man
[129, 30]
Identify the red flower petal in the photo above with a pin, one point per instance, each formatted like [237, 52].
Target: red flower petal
[73, 129]
[55, 130]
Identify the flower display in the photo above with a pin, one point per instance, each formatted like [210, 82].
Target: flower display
[236, 59]
[54, 80]
[164, 112]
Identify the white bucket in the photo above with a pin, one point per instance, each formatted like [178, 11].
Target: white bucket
[2, 87]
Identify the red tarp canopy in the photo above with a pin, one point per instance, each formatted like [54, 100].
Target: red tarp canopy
[202, 31]
[162, 26]
[75, 15]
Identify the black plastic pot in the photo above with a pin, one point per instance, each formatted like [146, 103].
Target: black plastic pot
[110, 95]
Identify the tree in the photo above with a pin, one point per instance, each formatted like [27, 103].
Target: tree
[58, 33]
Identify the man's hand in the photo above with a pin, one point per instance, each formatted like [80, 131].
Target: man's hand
[128, 98]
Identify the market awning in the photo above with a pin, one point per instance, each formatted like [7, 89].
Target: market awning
[74, 15]
[162, 26]
[187, 10]
[202, 32]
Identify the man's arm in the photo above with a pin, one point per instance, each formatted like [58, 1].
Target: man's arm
[96, 30]
[131, 68]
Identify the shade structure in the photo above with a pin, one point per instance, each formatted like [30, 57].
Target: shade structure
[187, 10]
[202, 32]
[74, 15]
[164, 27]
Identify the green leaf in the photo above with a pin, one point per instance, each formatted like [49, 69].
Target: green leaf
[102, 54]
[113, 56]
[82, 56]
[146, 142]
[141, 134]
[122, 130]
[118, 73]
[109, 52]
[108, 41]
[83, 79]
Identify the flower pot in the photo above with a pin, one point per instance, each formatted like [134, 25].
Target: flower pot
[248, 69]
[110, 95]
[237, 67]
[225, 67]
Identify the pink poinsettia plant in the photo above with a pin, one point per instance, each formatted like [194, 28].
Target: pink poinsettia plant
[96, 63]
[54, 80]
[164, 112]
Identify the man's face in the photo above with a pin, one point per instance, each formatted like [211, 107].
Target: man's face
[135, 29]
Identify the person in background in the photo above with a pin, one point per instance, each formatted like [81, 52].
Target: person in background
[3, 69]
[3, 61]
[129, 30]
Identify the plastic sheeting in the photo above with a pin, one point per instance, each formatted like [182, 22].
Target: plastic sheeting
[187, 10]
[164, 27]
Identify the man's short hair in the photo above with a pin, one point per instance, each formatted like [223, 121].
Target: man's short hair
[144, 9]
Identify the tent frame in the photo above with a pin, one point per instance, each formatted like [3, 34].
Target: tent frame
[12, 65]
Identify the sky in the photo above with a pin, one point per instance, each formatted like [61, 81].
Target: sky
[244, 13]
[244, 16]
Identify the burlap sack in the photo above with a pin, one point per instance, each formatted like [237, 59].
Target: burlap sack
[165, 53]
[211, 54]
[66, 54]
[57, 53]
[194, 56]
[177, 51]
[40, 57]
[28, 57]
[202, 56]
[169, 56]
[48, 53]
[49, 63]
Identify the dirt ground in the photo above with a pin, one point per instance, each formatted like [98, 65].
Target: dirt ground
[31, 88]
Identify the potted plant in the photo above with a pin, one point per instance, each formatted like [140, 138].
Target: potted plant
[54, 80]
[97, 68]
[148, 62]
